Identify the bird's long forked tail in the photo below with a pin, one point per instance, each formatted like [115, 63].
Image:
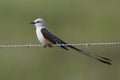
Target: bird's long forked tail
[99, 58]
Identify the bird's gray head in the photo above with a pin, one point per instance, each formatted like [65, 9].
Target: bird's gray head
[39, 22]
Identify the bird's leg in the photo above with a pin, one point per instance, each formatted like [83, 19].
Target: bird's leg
[44, 46]
[49, 45]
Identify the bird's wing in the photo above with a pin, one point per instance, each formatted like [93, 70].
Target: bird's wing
[52, 38]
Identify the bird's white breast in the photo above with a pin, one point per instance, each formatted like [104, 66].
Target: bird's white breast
[39, 35]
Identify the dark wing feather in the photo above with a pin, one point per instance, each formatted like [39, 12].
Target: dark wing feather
[51, 37]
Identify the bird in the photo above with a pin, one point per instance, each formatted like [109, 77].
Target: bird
[48, 38]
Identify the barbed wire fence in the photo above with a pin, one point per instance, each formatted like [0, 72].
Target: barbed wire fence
[54, 45]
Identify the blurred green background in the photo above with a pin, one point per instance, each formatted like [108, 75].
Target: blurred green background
[75, 21]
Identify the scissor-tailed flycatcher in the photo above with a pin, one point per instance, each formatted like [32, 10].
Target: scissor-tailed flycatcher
[47, 38]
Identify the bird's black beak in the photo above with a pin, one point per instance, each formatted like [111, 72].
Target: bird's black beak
[32, 23]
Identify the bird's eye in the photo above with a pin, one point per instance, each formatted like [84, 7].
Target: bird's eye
[38, 21]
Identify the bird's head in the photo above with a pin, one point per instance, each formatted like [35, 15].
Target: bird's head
[39, 22]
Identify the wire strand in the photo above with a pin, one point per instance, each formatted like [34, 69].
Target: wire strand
[40, 45]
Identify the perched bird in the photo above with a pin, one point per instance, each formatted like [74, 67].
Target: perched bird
[47, 38]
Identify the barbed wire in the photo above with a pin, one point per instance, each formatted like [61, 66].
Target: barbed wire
[40, 45]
